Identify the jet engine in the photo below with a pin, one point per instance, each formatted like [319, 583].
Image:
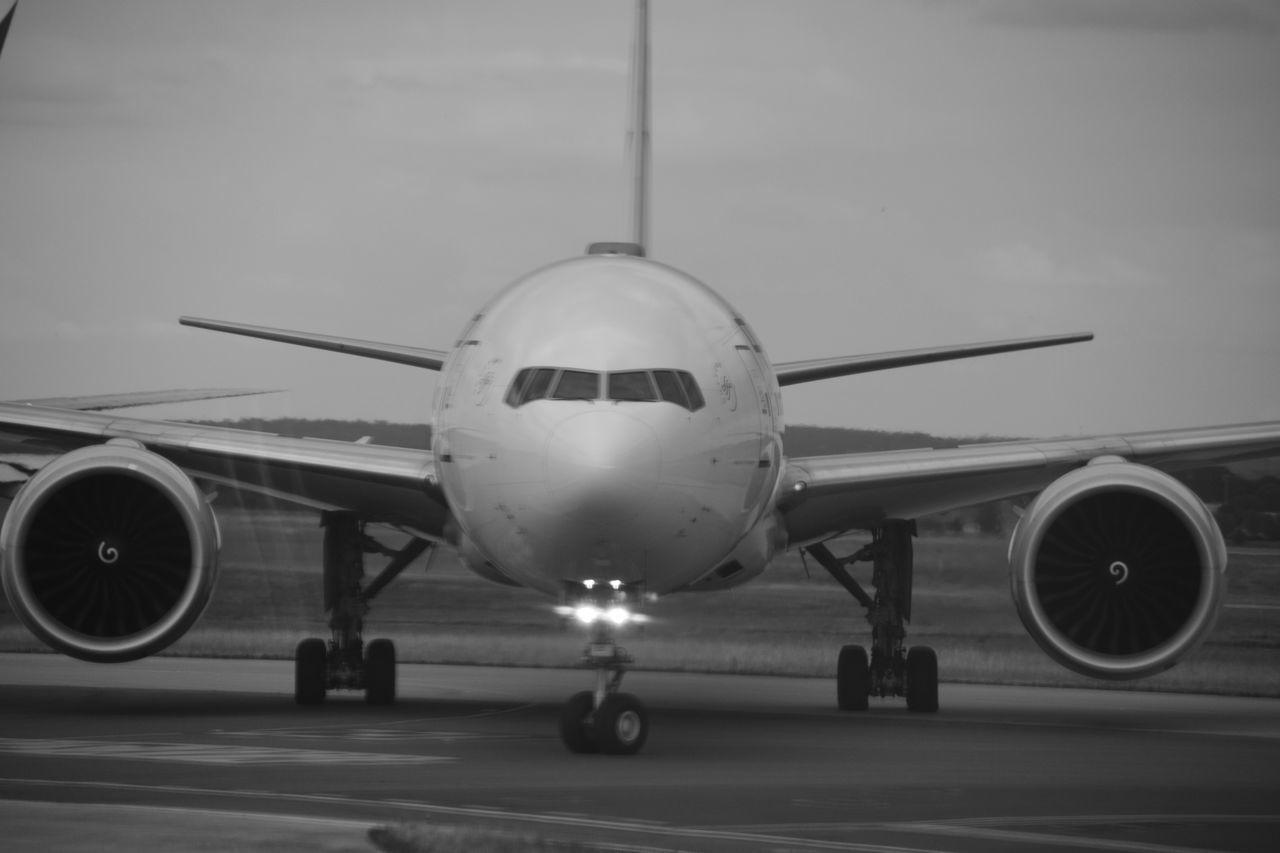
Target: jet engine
[1117, 570]
[109, 553]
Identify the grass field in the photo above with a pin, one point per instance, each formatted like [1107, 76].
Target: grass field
[788, 622]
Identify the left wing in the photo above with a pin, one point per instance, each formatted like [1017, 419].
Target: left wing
[382, 484]
[823, 496]
[811, 370]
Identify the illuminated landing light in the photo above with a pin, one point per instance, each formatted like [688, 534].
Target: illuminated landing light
[589, 614]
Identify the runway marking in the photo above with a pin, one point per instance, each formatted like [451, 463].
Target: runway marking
[493, 814]
[367, 735]
[992, 829]
[1046, 839]
[185, 753]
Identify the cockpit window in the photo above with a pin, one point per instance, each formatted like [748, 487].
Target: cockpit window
[577, 385]
[669, 387]
[530, 383]
[633, 385]
[691, 389]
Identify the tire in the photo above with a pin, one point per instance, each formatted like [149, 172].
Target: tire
[853, 679]
[310, 671]
[621, 725]
[575, 729]
[380, 672]
[922, 679]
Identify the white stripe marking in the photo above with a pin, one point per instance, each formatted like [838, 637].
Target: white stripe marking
[184, 753]
[492, 814]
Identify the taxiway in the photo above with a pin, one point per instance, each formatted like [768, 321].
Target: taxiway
[170, 748]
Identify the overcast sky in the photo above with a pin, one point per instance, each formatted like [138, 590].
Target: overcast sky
[852, 176]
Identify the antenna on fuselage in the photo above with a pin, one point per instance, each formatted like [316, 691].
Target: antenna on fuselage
[637, 150]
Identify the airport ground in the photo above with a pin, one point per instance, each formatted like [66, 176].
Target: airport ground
[195, 754]
[790, 621]
[182, 752]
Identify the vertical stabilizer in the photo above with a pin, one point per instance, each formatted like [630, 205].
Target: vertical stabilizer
[638, 130]
[6, 21]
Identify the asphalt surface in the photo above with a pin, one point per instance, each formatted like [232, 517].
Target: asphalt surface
[174, 753]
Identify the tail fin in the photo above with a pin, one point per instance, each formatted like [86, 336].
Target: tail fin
[638, 132]
[4, 24]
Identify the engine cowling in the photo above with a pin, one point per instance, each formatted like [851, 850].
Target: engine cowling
[1117, 570]
[109, 553]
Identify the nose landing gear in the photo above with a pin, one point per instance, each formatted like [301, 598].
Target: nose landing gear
[604, 720]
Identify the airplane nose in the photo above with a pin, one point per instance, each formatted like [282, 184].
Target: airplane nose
[602, 466]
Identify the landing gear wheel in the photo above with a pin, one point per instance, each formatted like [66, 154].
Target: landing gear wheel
[380, 672]
[922, 679]
[621, 725]
[310, 670]
[853, 679]
[575, 723]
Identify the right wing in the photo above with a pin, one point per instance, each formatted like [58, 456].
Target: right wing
[99, 402]
[393, 485]
[430, 359]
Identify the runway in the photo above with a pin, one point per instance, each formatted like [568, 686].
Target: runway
[173, 753]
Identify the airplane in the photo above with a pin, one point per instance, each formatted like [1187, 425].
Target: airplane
[607, 430]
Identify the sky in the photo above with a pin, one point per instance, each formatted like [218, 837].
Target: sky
[852, 176]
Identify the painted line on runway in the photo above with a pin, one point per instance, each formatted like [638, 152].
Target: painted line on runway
[1005, 821]
[302, 820]
[221, 754]
[490, 814]
[995, 829]
[412, 721]
[364, 734]
[1090, 819]
[1044, 839]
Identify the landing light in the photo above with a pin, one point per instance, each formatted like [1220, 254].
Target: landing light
[589, 614]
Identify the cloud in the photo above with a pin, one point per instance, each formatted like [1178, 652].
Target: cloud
[1143, 16]
[1019, 264]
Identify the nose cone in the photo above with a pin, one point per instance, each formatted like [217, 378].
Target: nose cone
[602, 467]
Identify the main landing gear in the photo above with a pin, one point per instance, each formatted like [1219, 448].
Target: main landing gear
[892, 669]
[346, 662]
[605, 719]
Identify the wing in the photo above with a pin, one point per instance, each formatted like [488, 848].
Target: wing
[795, 372]
[430, 359]
[823, 496]
[99, 402]
[383, 484]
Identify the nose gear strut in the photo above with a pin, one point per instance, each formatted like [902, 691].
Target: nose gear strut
[604, 719]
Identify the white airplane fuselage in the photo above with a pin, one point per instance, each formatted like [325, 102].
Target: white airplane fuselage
[624, 472]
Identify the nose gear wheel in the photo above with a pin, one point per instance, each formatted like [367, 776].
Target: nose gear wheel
[604, 720]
